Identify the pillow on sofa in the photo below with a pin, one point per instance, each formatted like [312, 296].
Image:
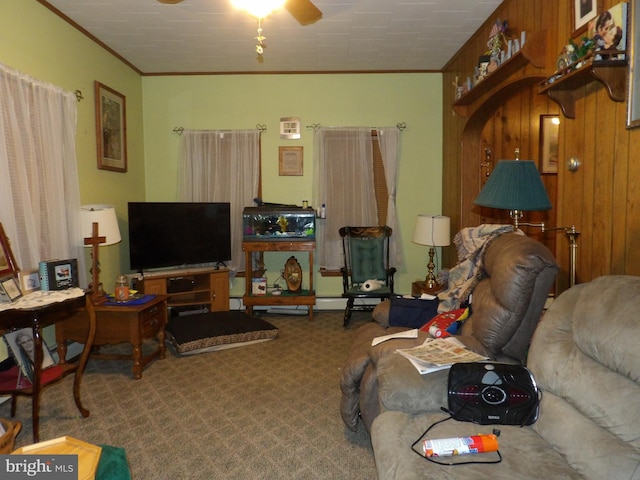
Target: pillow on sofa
[411, 312]
[445, 321]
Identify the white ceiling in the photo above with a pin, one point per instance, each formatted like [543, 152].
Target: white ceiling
[211, 36]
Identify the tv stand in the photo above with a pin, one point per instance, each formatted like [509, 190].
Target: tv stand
[190, 288]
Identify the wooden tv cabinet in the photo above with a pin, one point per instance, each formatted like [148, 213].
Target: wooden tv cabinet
[190, 287]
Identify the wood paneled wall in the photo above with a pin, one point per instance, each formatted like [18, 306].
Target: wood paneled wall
[602, 199]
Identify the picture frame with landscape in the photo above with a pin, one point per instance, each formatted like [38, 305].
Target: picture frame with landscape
[111, 128]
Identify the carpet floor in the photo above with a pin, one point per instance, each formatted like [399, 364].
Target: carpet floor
[263, 411]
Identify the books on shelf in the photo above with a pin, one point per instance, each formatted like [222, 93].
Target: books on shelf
[439, 354]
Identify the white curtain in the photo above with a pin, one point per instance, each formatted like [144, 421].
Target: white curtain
[39, 187]
[343, 179]
[389, 141]
[221, 166]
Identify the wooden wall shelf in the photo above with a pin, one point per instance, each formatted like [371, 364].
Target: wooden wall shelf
[564, 91]
[533, 52]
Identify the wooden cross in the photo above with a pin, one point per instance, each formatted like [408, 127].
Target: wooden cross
[97, 296]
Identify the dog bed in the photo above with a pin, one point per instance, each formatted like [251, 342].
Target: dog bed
[206, 332]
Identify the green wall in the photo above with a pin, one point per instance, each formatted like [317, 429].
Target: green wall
[35, 41]
[243, 101]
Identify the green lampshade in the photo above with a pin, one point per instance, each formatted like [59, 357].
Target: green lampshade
[514, 185]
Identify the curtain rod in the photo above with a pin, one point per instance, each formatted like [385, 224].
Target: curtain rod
[260, 126]
[315, 126]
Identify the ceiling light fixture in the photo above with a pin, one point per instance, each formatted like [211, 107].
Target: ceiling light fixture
[259, 9]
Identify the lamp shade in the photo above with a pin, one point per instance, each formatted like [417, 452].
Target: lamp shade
[514, 185]
[105, 217]
[432, 230]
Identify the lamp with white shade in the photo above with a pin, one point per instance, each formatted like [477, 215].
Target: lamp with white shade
[99, 225]
[434, 231]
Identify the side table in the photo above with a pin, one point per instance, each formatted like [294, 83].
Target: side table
[122, 323]
[37, 318]
[420, 286]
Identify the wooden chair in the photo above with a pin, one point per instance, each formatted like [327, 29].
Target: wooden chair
[366, 257]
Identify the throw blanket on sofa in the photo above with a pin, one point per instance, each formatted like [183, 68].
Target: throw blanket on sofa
[471, 243]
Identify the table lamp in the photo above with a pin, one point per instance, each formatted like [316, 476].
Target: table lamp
[514, 185]
[99, 226]
[434, 231]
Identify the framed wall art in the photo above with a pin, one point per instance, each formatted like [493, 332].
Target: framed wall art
[583, 11]
[549, 130]
[290, 163]
[111, 129]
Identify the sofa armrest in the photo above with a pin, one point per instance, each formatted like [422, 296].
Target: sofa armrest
[402, 388]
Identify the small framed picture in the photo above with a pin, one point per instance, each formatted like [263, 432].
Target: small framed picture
[549, 131]
[583, 11]
[9, 288]
[290, 161]
[111, 129]
[29, 281]
[23, 349]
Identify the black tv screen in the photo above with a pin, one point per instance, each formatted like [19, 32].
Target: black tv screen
[172, 234]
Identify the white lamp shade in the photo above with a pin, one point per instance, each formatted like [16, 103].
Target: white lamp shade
[105, 217]
[432, 230]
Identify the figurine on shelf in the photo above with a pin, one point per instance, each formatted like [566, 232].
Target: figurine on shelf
[498, 37]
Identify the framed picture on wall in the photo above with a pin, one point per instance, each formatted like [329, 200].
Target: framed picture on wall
[290, 161]
[583, 11]
[549, 130]
[111, 129]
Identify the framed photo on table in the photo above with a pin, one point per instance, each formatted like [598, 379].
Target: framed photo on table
[8, 263]
[29, 281]
[9, 288]
[111, 129]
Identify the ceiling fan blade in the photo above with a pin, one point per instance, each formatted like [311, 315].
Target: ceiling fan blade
[170, 2]
[303, 11]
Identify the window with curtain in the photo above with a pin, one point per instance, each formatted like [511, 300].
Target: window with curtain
[355, 173]
[39, 186]
[222, 166]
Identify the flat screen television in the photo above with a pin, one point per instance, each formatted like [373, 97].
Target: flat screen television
[178, 234]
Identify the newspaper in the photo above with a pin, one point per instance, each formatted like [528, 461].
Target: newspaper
[439, 354]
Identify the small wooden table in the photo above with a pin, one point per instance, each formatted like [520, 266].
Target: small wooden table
[420, 286]
[123, 323]
[37, 318]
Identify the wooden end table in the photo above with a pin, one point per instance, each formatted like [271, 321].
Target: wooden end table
[420, 286]
[122, 323]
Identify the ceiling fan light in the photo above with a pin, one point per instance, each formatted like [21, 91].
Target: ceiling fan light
[258, 8]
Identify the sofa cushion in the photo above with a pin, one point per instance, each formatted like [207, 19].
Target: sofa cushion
[584, 356]
[508, 303]
[411, 312]
[525, 455]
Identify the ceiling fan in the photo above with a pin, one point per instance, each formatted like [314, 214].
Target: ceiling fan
[304, 11]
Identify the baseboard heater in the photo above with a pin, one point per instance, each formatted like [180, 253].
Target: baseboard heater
[293, 310]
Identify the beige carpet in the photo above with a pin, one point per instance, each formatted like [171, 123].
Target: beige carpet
[263, 411]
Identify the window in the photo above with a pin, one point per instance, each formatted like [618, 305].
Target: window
[355, 172]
